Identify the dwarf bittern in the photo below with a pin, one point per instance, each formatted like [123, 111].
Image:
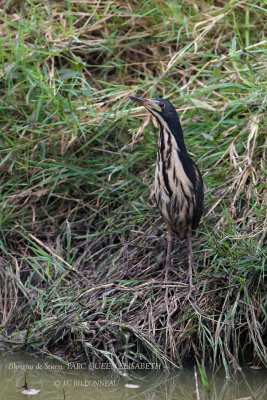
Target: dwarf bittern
[178, 182]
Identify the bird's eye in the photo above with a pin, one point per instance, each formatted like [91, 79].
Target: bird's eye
[162, 105]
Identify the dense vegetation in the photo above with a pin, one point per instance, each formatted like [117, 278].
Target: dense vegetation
[82, 249]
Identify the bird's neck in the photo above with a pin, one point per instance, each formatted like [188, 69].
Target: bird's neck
[171, 133]
[177, 132]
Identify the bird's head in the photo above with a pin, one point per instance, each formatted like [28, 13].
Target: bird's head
[166, 115]
[160, 108]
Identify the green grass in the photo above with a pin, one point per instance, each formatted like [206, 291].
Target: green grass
[82, 248]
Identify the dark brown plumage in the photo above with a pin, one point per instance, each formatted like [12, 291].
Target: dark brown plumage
[178, 182]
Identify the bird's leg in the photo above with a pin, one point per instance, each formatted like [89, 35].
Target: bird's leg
[168, 255]
[190, 258]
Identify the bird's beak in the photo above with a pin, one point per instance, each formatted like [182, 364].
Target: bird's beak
[139, 99]
[147, 103]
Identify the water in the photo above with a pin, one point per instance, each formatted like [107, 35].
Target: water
[97, 382]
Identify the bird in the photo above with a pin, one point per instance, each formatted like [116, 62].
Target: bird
[178, 186]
